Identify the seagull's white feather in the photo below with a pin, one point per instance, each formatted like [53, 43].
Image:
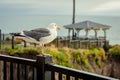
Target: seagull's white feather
[48, 39]
[40, 36]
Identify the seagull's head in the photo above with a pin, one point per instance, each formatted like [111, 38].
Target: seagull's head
[55, 26]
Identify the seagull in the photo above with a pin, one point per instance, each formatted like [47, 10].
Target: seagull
[39, 36]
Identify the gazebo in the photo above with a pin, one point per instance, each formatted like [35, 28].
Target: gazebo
[87, 26]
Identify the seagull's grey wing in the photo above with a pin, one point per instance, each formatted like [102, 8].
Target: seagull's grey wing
[37, 33]
[42, 30]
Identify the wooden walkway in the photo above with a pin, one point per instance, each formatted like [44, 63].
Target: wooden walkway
[80, 42]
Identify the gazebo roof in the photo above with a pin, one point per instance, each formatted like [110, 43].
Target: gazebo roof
[87, 25]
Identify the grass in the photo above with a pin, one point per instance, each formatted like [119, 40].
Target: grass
[98, 55]
[64, 56]
[115, 50]
[60, 55]
[77, 57]
[21, 50]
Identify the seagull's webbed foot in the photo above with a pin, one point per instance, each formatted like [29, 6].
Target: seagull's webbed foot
[45, 54]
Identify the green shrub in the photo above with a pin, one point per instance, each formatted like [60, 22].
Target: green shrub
[98, 61]
[98, 55]
[31, 51]
[86, 62]
[115, 50]
[21, 50]
[60, 56]
[66, 52]
[77, 55]
[7, 39]
[102, 54]
[66, 56]
[12, 51]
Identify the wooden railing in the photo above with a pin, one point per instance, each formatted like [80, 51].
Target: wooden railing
[73, 74]
[13, 68]
[16, 68]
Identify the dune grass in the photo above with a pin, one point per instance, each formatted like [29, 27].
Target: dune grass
[115, 50]
[64, 56]
[74, 57]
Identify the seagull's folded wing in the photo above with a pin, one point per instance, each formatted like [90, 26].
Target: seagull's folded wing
[37, 33]
[42, 30]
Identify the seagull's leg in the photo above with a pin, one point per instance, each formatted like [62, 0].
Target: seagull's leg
[42, 48]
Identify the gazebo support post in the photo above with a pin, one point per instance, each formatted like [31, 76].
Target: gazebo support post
[104, 33]
[78, 30]
[96, 35]
[87, 31]
[73, 33]
[69, 30]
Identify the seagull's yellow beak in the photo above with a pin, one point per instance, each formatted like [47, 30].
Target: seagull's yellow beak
[58, 28]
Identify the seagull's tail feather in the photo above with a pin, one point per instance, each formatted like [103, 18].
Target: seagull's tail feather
[23, 37]
[15, 34]
[21, 34]
[18, 36]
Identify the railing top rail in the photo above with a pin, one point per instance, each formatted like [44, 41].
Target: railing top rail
[78, 73]
[19, 60]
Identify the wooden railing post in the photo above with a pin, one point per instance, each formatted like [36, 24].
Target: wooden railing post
[0, 39]
[25, 44]
[3, 39]
[57, 43]
[12, 41]
[42, 74]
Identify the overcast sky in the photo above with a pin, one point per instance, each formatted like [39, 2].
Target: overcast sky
[59, 7]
